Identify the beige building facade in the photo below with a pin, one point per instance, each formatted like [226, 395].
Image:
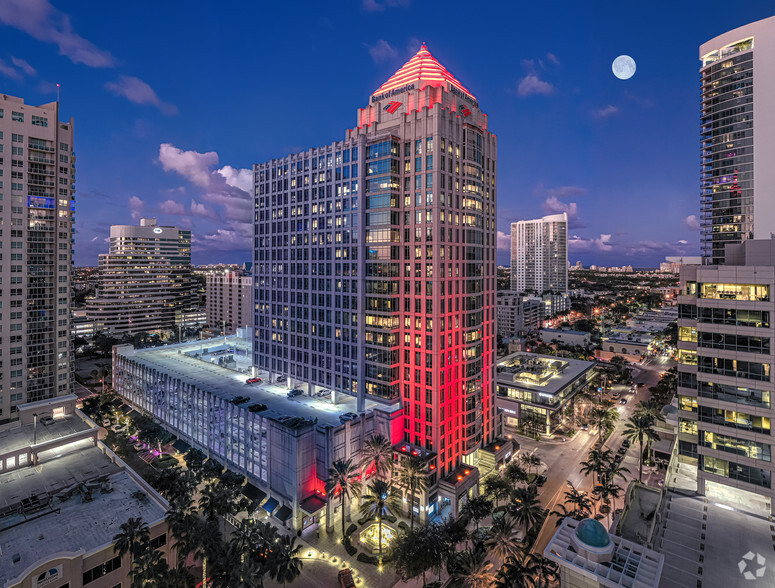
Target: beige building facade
[229, 300]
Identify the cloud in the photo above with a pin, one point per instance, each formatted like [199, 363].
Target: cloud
[531, 85]
[238, 178]
[503, 241]
[24, 66]
[192, 165]
[227, 190]
[199, 209]
[552, 58]
[172, 207]
[136, 207]
[95, 239]
[137, 91]
[45, 23]
[553, 204]
[606, 111]
[692, 222]
[382, 51]
[602, 243]
[377, 6]
[9, 71]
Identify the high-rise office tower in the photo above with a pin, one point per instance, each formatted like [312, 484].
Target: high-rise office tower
[725, 368]
[37, 177]
[375, 262]
[737, 137]
[539, 254]
[144, 279]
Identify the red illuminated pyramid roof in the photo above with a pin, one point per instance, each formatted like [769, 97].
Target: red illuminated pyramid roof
[422, 67]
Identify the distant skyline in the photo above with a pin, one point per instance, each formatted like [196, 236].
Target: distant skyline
[171, 111]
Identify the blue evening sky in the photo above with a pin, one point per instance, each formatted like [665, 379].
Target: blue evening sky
[174, 101]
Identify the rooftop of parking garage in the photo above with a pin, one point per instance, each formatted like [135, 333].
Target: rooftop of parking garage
[181, 361]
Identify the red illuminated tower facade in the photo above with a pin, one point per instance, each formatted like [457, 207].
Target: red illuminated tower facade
[375, 265]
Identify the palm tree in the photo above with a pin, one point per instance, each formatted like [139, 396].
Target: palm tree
[150, 569]
[519, 571]
[502, 539]
[412, 477]
[530, 460]
[244, 540]
[597, 461]
[475, 509]
[606, 491]
[133, 538]
[497, 488]
[526, 508]
[341, 479]
[515, 473]
[580, 501]
[640, 427]
[604, 418]
[380, 498]
[544, 570]
[183, 525]
[377, 453]
[473, 571]
[286, 563]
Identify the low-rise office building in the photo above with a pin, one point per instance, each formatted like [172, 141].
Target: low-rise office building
[533, 389]
[517, 315]
[565, 337]
[229, 297]
[65, 496]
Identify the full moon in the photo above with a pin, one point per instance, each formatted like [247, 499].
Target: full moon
[623, 67]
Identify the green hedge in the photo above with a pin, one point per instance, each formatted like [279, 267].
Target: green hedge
[373, 559]
[350, 530]
[348, 547]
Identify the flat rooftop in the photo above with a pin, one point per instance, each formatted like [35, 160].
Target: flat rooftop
[180, 360]
[23, 436]
[542, 373]
[706, 541]
[62, 518]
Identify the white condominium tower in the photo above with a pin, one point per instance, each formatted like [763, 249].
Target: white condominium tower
[375, 263]
[144, 279]
[539, 254]
[737, 137]
[37, 177]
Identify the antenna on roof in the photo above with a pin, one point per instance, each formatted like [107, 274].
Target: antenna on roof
[57, 92]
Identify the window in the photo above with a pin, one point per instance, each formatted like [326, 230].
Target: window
[39, 121]
[17, 116]
[752, 292]
[101, 570]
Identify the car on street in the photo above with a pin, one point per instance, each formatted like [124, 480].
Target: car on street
[540, 480]
[346, 578]
[585, 427]
[295, 392]
[623, 401]
[253, 381]
[626, 443]
[622, 450]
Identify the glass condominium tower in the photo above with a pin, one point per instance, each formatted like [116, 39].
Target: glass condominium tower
[737, 138]
[374, 271]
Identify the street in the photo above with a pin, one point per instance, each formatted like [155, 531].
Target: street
[562, 459]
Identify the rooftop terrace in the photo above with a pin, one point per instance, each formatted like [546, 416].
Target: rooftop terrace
[542, 373]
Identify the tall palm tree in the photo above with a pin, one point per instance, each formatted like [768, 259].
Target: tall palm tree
[640, 428]
[579, 500]
[379, 499]
[286, 563]
[183, 526]
[377, 453]
[597, 461]
[149, 569]
[341, 479]
[502, 539]
[497, 488]
[244, 540]
[604, 417]
[475, 509]
[515, 473]
[412, 477]
[650, 407]
[530, 460]
[133, 538]
[518, 571]
[473, 571]
[545, 570]
[606, 492]
[526, 508]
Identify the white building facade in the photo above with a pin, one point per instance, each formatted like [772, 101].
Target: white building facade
[539, 255]
[37, 184]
